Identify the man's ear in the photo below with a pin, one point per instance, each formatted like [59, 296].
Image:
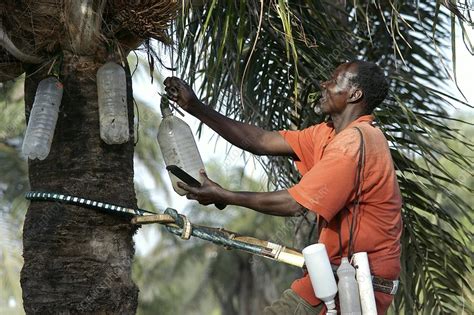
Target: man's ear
[355, 96]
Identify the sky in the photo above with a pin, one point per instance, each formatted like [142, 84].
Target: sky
[216, 149]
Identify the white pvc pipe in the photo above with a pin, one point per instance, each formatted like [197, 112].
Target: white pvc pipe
[364, 280]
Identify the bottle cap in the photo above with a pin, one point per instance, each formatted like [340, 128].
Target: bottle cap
[330, 305]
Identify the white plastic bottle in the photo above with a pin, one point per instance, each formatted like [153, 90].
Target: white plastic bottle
[321, 275]
[113, 111]
[178, 146]
[348, 289]
[43, 118]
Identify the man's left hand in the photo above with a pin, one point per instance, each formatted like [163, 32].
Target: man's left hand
[209, 192]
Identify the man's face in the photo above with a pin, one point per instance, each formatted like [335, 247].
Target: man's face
[336, 91]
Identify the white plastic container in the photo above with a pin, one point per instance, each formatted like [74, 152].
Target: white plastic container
[348, 289]
[113, 111]
[321, 274]
[364, 280]
[43, 118]
[178, 146]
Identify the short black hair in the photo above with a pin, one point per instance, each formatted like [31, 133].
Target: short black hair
[373, 82]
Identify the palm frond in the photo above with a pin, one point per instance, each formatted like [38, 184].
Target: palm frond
[408, 40]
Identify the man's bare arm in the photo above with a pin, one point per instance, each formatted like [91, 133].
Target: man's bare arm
[278, 203]
[245, 136]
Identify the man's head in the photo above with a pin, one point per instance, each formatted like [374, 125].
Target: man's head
[356, 83]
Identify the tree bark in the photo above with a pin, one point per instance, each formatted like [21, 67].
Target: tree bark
[79, 260]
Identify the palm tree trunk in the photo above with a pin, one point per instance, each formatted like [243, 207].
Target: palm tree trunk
[79, 260]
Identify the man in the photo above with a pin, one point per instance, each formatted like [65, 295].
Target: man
[348, 177]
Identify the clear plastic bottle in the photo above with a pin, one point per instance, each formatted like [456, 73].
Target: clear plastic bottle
[43, 117]
[348, 289]
[178, 146]
[113, 111]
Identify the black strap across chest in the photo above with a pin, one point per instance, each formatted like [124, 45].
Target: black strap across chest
[356, 203]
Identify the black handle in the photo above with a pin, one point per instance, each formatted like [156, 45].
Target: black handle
[188, 179]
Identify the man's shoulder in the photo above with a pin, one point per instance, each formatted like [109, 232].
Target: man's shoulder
[322, 128]
[314, 132]
[346, 142]
[325, 125]
[369, 130]
[374, 138]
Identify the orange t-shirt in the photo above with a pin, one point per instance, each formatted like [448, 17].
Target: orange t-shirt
[329, 165]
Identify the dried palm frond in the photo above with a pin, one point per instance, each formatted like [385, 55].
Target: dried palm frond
[43, 28]
[143, 18]
[38, 26]
[33, 27]
[39, 22]
[461, 9]
[10, 68]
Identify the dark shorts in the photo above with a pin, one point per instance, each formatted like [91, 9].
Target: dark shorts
[291, 303]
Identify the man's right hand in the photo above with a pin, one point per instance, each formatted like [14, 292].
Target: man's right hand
[181, 93]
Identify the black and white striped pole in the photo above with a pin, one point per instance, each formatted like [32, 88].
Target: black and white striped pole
[179, 225]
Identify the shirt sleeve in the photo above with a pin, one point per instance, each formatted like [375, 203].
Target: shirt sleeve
[329, 185]
[302, 143]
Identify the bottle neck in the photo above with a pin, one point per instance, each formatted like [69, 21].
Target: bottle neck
[165, 112]
[165, 107]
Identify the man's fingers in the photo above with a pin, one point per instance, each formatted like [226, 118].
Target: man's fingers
[172, 85]
[172, 88]
[203, 174]
[170, 80]
[171, 92]
[188, 188]
[173, 81]
[191, 196]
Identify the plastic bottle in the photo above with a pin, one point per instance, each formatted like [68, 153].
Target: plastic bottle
[348, 288]
[43, 117]
[320, 274]
[113, 110]
[178, 146]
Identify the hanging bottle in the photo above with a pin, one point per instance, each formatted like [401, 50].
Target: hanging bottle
[321, 275]
[178, 146]
[43, 117]
[113, 110]
[348, 289]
